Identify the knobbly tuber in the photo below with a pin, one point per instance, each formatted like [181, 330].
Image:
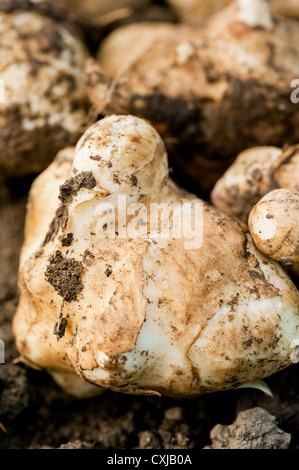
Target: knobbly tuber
[254, 173]
[187, 9]
[45, 104]
[201, 8]
[274, 227]
[211, 91]
[126, 43]
[144, 313]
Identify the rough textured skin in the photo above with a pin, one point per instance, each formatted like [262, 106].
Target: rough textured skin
[274, 225]
[246, 181]
[43, 7]
[252, 429]
[41, 65]
[145, 314]
[254, 173]
[204, 8]
[211, 91]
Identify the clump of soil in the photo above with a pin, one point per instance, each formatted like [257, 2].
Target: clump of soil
[253, 429]
[65, 275]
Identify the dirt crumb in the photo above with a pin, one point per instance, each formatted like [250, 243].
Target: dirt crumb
[65, 275]
[67, 241]
[60, 327]
[253, 429]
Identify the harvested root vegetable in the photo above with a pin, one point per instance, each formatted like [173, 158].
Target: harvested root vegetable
[211, 91]
[200, 8]
[204, 8]
[44, 108]
[125, 44]
[255, 173]
[143, 310]
[274, 227]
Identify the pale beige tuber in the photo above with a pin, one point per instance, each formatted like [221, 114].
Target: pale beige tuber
[125, 44]
[211, 91]
[44, 101]
[254, 173]
[187, 9]
[274, 225]
[147, 313]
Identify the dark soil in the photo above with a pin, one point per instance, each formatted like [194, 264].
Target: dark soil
[35, 413]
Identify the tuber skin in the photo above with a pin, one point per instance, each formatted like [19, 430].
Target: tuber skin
[212, 90]
[41, 67]
[143, 315]
[126, 43]
[274, 225]
[186, 9]
[254, 173]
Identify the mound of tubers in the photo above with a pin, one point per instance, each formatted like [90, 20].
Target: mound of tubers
[161, 252]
